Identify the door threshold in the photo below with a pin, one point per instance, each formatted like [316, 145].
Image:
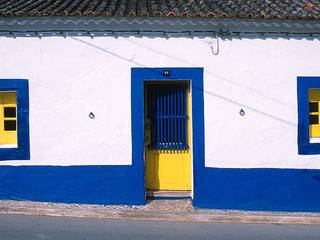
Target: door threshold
[166, 194]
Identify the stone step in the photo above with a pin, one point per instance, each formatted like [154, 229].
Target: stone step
[156, 194]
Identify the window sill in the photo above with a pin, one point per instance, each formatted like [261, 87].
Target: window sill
[314, 140]
[8, 146]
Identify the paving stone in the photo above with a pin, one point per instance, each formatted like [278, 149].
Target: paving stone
[159, 208]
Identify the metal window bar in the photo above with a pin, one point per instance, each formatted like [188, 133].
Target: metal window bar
[167, 112]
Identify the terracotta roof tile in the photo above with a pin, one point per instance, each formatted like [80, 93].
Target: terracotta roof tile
[256, 9]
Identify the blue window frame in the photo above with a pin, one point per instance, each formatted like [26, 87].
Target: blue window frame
[22, 151]
[304, 85]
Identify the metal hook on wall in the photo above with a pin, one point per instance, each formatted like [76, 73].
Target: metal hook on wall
[91, 115]
[217, 50]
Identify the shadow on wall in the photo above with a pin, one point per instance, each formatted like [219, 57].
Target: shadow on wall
[215, 76]
[212, 94]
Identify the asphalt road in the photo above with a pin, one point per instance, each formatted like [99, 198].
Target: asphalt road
[30, 227]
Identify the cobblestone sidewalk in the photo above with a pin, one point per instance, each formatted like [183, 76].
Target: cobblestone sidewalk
[175, 210]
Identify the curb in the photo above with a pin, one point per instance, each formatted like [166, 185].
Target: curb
[197, 216]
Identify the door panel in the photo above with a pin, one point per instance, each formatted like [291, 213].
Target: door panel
[167, 134]
[168, 170]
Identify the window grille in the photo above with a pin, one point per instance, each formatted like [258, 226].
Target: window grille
[168, 115]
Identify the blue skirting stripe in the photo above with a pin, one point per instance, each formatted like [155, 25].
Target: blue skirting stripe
[246, 189]
[259, 189]
[75, 184]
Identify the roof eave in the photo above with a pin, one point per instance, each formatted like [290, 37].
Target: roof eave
[157, 24]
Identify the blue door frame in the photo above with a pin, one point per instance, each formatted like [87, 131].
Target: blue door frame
[195, 76]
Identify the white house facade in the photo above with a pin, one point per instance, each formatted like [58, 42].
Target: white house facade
[226, 108]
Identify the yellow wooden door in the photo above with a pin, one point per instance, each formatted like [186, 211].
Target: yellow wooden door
[168, 164]
[8, 118]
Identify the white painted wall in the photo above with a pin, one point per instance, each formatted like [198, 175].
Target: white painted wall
[71, 77]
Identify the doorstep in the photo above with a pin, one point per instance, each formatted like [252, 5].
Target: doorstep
[165, 210]
[156, 194]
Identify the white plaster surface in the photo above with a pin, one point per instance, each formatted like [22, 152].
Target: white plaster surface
[71, 77]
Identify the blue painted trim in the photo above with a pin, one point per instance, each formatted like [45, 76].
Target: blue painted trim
[293, 190]
[74, 184]
[22, 89]
[195, 76]
[247, 189]
[304, 145]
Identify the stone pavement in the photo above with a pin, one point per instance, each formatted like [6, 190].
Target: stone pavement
[169, 210]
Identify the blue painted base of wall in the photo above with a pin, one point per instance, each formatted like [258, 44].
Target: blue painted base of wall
[75, 184]
[258, 189]
[246, 189]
